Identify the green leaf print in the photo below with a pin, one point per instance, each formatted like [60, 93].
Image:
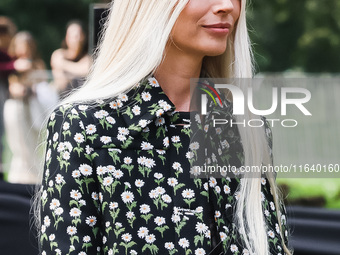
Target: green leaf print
[52, 124]
[146, 217]
[73, 202]
[162, 229]
[198, 238]
[59, 187]
[95, 231]
[132, 205]
[53, 244]
[206, 194]
[87, 182]
[66, 133]
[86, 246]
[104, 205]
[118, 231]
[178, 186]
[114, 214]
[43, 237]
[173, 251]
[160, 181]
[102, 122]
[74, 238]
[127, 142]
[138, 98]
[127, 245]
[198, 183]
[162, 158]
[186, 131]
[128, 112]
[131, 221]
[93, 155]
[108, 125]
[76, 221]
[189, 201]
[179, 227]
[177, 146]
[78, 149]
[152, 248]
[114, 155]
[128, 167]
[92, 137]
[159, 130]
[154, 108]
[72, 117]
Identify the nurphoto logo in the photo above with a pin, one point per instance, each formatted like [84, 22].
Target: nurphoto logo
[240, 101]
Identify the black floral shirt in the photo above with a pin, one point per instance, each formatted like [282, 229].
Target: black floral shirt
[118, 180]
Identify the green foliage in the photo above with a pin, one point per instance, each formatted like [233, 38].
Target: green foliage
[301, 35]
[303, 188]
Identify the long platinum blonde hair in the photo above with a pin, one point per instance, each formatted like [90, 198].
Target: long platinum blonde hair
[133, 45]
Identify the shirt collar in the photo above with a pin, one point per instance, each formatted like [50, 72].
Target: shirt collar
[147, 104]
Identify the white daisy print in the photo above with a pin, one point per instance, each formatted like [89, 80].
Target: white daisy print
[183, 242]
[107, 181]
[144, 209]
[113, 205]
[271, 234]
[75, 212]
[85, 169]
[172, 182]
[142, 232]
[201, 227]
[127, 196]
[71, 230]
[159, 221]
[59, 179]
[188, 193]
[139, 183]
[79, 138]
[91, 221]
[126, 237]
[105, 139]
[136, 110]
[75, 194]
[86, 239]
[169, 246]
[233, 248]
[200, 251]
[146, 146]
[150, 238]
[146, 96]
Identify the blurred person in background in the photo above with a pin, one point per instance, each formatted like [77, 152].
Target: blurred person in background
[23, 114]
[7, 65]
[71, 63]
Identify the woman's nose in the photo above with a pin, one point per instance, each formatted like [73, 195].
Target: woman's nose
[223, 6]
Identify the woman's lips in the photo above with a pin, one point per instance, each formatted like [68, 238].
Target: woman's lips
[219, 29]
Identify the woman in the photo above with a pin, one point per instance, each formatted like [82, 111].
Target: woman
[117, 171]
[71, 63]
[22, 112]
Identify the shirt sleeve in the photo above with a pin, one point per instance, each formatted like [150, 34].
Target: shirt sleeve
[6, 63]
[7, 66]
[70, 221]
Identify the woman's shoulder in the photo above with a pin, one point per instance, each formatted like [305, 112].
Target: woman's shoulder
[96, 113]
[58, 53]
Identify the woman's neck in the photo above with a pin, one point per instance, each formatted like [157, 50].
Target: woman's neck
[174, 76]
